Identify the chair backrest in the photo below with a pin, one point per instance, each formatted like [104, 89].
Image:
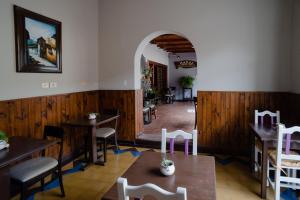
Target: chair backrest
[58, 133]
[275, 116]
[125, 191]
[282, 155]
[179, 133]
[112, 112]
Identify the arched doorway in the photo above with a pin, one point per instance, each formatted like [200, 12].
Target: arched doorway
[166, 63]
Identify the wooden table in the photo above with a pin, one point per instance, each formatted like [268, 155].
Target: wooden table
[92, 126]
[19, 149]
[267, 135]
[195, 173]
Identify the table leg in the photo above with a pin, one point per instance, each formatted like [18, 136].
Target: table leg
[93, 145]
[252, 152]
[4, 183]
[264, 169]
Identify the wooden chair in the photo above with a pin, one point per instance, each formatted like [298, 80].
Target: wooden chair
[153, 110]
[126, 191]
[284, 162]
[259, 119]
[172, 135]
[170, 95]
[104, 133]
[27, 173]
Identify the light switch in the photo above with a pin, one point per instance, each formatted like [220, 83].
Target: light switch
[53, 84]
[45, 85]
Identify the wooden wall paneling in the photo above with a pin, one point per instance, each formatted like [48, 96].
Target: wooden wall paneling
[294, 107]
[27, 117]
[129, 104]
[224, 117]
[208, 116]
[4, 117]
[139, 121]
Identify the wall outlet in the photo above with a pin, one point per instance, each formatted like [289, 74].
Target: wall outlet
[53, 84]
[45, 85]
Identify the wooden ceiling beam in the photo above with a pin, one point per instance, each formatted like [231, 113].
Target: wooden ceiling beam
[173, 46]
[172, 43]
[154, 41]
[183, 48]
[182, 51]
[169, 36]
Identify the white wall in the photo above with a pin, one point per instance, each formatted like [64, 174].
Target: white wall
[80, 41]
[153, 53]
[175, 74]
[296, 49]
[241, 45]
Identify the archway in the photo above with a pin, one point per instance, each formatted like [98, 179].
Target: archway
[181, 62]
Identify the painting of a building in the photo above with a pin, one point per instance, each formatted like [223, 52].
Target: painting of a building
[41, 43]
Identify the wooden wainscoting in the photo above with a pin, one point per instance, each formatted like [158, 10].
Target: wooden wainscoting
[224, 117]
[294, 108]
[130, 104]
[27, 117]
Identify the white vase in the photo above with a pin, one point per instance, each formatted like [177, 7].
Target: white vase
[92, 116]
[167, 167]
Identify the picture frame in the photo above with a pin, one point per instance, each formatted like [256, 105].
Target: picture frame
[187, 94]
[38, 42]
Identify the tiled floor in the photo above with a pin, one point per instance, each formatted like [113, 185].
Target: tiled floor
[180, 115]
[233, 181]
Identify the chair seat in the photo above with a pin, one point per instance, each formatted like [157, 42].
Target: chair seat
[152, 107]
[287, 163]
[145, 109]
[32, 168]
[104, 132]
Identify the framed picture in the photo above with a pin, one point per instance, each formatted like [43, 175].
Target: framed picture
[187, 94]
[38, 42]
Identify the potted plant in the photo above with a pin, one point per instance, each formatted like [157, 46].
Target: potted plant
[92, 115]
[167, 167]
[3, 140]
[186, 81]
[3, 136]
[145, 81]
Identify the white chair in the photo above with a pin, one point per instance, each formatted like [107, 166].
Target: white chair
[125, 191]
[284, 162]
[259, 119]
[179, 133]
[275, 117]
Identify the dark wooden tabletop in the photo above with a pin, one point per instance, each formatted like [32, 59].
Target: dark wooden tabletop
[195, 173]
[269, 133]
[264, 133]
[85, 122]
[21, 147]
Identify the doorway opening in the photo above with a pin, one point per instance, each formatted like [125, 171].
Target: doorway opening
[168, 69]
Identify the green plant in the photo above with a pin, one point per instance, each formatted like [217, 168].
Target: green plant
[186, 81]
[3, 136]
[147, 73]
[151, 93]
[166, 163]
